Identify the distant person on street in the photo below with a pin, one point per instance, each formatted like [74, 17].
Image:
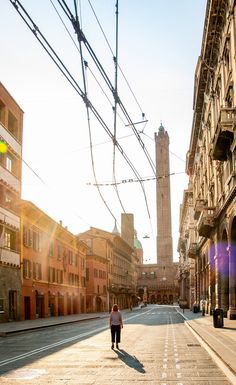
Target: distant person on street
[116, 323]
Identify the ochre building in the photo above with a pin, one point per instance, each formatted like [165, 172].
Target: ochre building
[53, 266]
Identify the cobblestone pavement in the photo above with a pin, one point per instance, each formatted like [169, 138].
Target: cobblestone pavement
[156, 348]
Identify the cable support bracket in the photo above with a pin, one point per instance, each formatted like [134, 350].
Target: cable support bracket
[78, 30]
[86, 101]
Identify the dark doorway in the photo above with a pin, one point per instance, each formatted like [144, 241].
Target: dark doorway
[27, 307]
[12, 305]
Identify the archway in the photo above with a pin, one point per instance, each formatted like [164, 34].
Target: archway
[98, 305]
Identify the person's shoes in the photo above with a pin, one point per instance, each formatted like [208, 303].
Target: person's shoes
[112, 346]
[117, 346]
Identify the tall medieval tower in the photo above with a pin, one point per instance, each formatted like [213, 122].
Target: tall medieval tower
[165, 288]
[163, 203]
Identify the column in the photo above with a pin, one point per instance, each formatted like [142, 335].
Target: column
[232, 282]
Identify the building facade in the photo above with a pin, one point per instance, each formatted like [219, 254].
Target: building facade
[11, 128]
[186, 274]
[53, 266]
[112, 266]
[211, 161]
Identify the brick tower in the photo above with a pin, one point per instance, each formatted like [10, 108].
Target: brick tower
[163, 203]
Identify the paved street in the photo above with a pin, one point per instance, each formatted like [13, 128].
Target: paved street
[156, 348]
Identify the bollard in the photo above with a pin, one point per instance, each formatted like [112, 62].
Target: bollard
[218, 318]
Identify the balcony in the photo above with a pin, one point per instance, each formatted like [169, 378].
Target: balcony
[9, 138]
[9, 218]
[9, 179]
[198, 207]
[193, 250]
[9, 257]
[182, 245]
[206, 224]
[224, 134]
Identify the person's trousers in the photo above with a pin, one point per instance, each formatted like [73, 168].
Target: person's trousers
[115, 333]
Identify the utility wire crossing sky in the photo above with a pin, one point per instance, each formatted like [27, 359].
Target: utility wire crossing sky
[95, 80]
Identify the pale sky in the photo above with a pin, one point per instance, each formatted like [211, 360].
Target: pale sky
[159, 43]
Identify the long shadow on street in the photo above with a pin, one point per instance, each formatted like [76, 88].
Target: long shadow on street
[129, 360]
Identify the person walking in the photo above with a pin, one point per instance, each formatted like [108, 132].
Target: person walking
[116, 323]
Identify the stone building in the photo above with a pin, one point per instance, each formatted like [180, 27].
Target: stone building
[211, 161]
[11, 127]
[187, 236]
[53, 266]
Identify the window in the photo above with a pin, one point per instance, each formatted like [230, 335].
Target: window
[9, 163]
[9, 239]
[59, 252]
[1, 305]
[27, 237]
[50, 250]
[36, 241]
[70, 255]
[51, 274]
[2, 112]
[12, 124]
[27, 268]
[8, 199]
[82, 263]
[87, 274]
[76, 260]
[71, 278]
[59, 277]
[95, 273]
[37, 271]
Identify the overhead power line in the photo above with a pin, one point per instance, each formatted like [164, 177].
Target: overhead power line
[132, 180]
[82, 38]
[106, 39]
[61, 66]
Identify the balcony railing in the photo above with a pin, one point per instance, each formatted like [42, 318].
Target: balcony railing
[9, 218]
[193, 250]
[224, 134]
[9, 257]
[206, 223]
[198, 207]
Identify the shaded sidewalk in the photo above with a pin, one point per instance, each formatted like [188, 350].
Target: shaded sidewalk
[14, 327]
[222, 341]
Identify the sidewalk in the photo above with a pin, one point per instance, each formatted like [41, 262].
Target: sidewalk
[221, 341]
[7, 328]
[14, 327]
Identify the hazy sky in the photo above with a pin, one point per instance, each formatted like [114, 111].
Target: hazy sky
[159, 43]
